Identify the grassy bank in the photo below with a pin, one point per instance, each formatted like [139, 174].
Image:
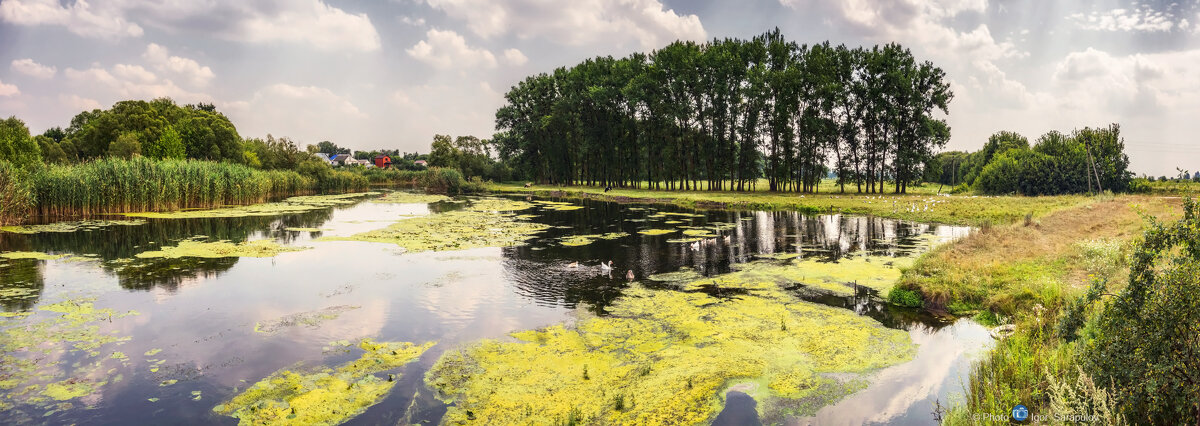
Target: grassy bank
[950, 209]
[118, 186]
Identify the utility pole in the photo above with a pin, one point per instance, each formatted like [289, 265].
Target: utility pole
[1087, 142]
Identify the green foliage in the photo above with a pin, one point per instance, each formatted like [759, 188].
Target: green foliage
[126, 146]
[203, 132]
[16, 194]
[443, 180]
[906, 298]
[1145, 342]
[331, 148]
[722, 114]
[1057, 164]
[16, 146]
[168, 145]
[273, 154]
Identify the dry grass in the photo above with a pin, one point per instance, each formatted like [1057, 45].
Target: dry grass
[1005, 268]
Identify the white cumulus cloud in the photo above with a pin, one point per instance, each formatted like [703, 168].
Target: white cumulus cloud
[7, 90]
[445, 49]
[160, 58]
[33, 69]
[105, 20]
[515, 57]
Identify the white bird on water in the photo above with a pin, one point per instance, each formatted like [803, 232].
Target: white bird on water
[573, 265]
[606, 267]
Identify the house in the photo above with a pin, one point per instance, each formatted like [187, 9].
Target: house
[421, 163]
[383, 161]
[335, 159]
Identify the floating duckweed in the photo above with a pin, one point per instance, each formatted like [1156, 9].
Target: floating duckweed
[152, 399]
[219, 249]
[583, 240]
[875, 272]
[82, 225]
[26, 346]
[684, 240]
[30, 255]
[704, 233]
[403, 197]
[778, 256]
[322, 396]
[563, 208]
[291, 205]
[302, 229]
[655, 231]
[478, 225]
[673, 222]
[196, 395]
[312, 319]
[684, 274]
[667, 353]
[721, 226]
[168, 382]
[152, 352]
[682, 214]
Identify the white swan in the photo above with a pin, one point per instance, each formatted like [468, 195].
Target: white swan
[606, 267]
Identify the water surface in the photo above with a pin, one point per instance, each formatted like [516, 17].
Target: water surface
[202, 313]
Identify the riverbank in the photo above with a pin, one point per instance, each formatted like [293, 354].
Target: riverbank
[949, 209]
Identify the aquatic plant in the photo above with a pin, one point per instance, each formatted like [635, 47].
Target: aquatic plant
[299, 204]
[656, 231]
[219, 249]
[308, 319]
[72, 226]
[410, 198]
[30, 255]
[665, 356]
[16, 194]
[323, 395]
[484, 223]
[583, 240]
[31, 378]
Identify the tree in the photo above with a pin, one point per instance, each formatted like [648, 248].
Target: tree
[52, 152]
[126, 146]
[331, 148]
[16, 146]
[168, 145]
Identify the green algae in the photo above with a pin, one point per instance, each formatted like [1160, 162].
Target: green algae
[484, 223]
[152, 352]
[312, 319]
[661, 357]
[673, 222]
[303, 229]
[291, 205]
[583, 240]
[82, 225]
[220, 249]
[563, 208]
[34, 376]
[402, 197]
[654, 231]
[14, 255]
[701, 233]
[684, 240]
[684, 274]
[323, 395]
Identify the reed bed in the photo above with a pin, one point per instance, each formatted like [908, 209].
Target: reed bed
[16, 194]
[117, 186]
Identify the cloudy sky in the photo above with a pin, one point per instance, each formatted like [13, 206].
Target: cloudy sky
[390, 74]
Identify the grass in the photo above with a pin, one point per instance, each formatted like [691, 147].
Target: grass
[1013, 267]
[924, 207]
[16, 196]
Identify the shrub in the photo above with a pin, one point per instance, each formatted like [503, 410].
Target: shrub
[907, 298]
[1145, 342]
[443, 180]
[1139, 186]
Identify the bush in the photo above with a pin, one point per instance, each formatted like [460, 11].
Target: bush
[1145, 342]
[1139, 186]
[16, 194]
[443, 180]
[906, 298]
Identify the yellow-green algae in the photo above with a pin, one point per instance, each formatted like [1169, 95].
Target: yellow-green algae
[484, 223]
[410, 198]
[219, 249]
[82, 225]
[308, 319]
[583, 240]
[655, 231]
[30, 255]
[303, 229]
[299, 204]
[31, 377]
[322, 396]
[662, 357]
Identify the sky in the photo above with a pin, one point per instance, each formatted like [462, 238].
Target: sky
[393, 73]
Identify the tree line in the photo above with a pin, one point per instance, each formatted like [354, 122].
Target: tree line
[723, 114]
[1089, 160]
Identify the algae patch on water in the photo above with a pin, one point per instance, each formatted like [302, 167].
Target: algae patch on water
[583, 240]
[484, 223]
[662, 357]
[219, 249]
[298, 204]
[322, 396]
[402, 197]
[33, 376]
[82, 225]
[30, 255]
[308, 319]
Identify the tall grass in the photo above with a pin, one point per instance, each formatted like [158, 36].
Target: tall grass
[16, 194]
[116, 185]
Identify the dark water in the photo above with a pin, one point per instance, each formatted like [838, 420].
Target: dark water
[202, 312]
